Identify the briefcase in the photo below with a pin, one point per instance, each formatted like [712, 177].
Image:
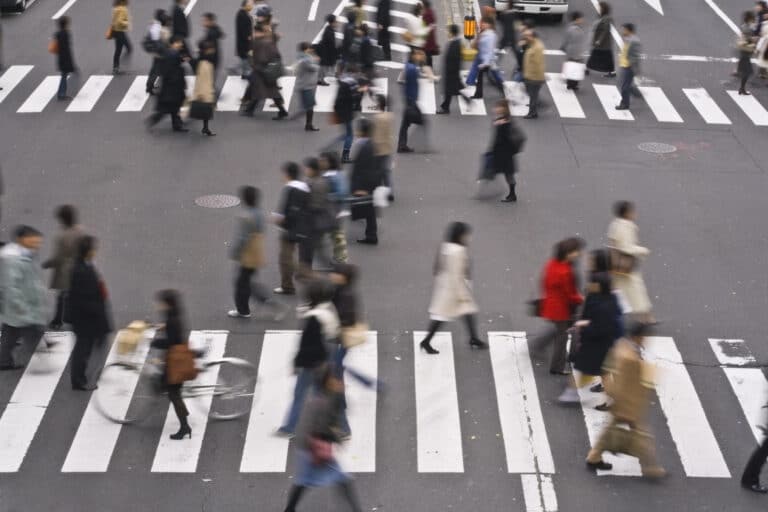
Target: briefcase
[201, 110]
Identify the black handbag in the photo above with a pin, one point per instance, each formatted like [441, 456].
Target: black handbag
[201, 110]
[534, 307]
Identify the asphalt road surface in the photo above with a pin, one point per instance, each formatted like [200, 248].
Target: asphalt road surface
[481, 432]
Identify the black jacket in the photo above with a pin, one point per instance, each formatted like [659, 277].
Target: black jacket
[214, 35]
[244, 33]
[180, 23]
[605, 327]
[346, 99]
[346, 42]
[503, 149]
[173, 85]
[88, 311]
[312, 352]
[65, 60]
[172, 333]
[452, 69]
[366, 172]
[346, 302]
[383, 17]
[294, 207]
[327, 49]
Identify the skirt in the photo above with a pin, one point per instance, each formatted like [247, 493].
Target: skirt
[744, 67]
[601, 60]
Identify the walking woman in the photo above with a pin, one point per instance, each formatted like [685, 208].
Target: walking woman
[452, 292]
[204, 83]
[500, 159]
[121, 25]
[315, 465]
[63, 259]
[746, 48]
[172, 332]
[601, 56]
[560, 298]
[64, 58]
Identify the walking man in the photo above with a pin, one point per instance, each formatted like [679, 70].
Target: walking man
[383, 22]
[64, 58]
[629, 64]
[307, 69]
[573, 46]
[365, 177]
[452, 83]
[63, 259]
[534, 68]
[411, 113]
[291, 219]
[750, 479]
[156, 44]
[23, 294]
[244, 37]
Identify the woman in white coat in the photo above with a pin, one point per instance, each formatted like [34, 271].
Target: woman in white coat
[452, 293]
[622, 237]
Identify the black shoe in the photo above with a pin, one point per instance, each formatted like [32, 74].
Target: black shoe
[311, 128]
[476, 343]
[443, 111]
[322, 83]
[391, 198]
[756, 488]
[180, 129]
[9, 367]
[622, 107]
[369, 241]
[183, 431]
[84, 387]
[280, 116]
[597, 388]
[604, 407]
[509, 199]
[424, 345]
[599, 465]
[404, 149]
[208, 133]
[530, 116]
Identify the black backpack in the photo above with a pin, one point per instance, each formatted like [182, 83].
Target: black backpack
[150, 45]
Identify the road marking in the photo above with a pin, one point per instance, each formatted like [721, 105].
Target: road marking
[438, 429]
[748, 384]
[96, 437]
[231, 94]
[11, 78]
[706, 106]
[189, 7]
[313, 10]
[539, 493]
[325, 96]
[565, 100]
[136, 97]
[754, 110]
[380, 86]
[392, 12]
[181, 457]
[426, 101]
[660, 105]
[336, 12]
[656, 5]
[475, 107]
[522, 423]
[287, 83]
[41, 96]
[723, 16]
[264, 452]
[609, 97]
[63, 9]
[89, 93]
[688, 424]
[30, 399]
[358, 455]
[517, 98]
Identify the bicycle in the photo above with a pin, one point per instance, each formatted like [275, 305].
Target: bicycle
[130, 386]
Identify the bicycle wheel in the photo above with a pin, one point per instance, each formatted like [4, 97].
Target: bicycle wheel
[126, 393]
[234, 388]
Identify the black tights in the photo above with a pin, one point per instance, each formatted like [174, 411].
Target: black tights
[469, 320]
[174, 395]
[743, 87]
[345, 488]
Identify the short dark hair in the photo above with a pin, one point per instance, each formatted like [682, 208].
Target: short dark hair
[332, 157]
[85, 245]
[63, 22]
[565, 247]
[603, 282]
[318, 291]
[453, 29]
[292, 170]
[160, 15]
[629, 26]
[172, 299]
[248, 195]
[456, 232]
[209, 16]
[24, 231]
[749, 16]
[528, 23]
[303, 46]
[576, 15]
[312, 163]
[331, 18]
[604, 8]
[67, 215]
[623, 208]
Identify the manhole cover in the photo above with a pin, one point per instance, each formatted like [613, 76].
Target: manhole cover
[656, 147]
[217, 201]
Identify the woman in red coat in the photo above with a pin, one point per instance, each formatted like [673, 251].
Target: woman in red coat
[560, 296]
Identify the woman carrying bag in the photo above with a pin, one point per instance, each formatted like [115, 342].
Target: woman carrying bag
[118, 30]
[203, 96]
[172, 337]
[601, 57]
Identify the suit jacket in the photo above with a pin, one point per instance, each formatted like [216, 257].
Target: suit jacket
[87, 301]
[327, 50]
[179, 22]
[366, 173]
[244, 33]
[63, 258]
[452, 68]
[533, 62]
[383, 17]
[64, 58]
[294, 206]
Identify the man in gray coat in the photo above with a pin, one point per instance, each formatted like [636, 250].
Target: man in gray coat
[629, 64]
[22, 295]
[574, 45]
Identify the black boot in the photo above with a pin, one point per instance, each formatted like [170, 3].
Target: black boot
[512, 196]
[308, 126]
[281, 114]
[184, 430]
[428, 348]
[293, 497]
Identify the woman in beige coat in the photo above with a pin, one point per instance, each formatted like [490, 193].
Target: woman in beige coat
[452, 292]
[204, 86]
[118, 31]
[622, 237]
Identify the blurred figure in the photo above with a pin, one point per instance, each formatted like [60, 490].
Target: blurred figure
[291, 219]
[156, 44]
[534, 68]
[746, 46]
[338, 194]
[213, 34]
[383, 22]
[507, 142]
[366, 176]
[486, 59]
[628, 383]
[574, 45]
[601, 56]
[64, 58]
[63, 259]
[623, 242]
[173, 87]
[411, 111]
[629, 64]
[88, 310]
[347, 96]
[180, 25]
[265, 60]
[120, 26]
[171, 333]
[560, 297]
[244, 37]
[383, 142]
[327, 50]
[321, 214]
[750, 479]
[307, 69]
[247, 249]
[316, 465]
[23, 293]
[321, 327]
[205, 83]
[452, 291]
[509, 33]
[452, 83]
[431, 48]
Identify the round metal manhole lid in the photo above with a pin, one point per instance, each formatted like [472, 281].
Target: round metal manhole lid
[658, 148]
[217, 201]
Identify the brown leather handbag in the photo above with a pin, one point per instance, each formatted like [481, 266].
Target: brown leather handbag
[180, 364]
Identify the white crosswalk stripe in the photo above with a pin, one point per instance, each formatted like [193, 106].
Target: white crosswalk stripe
[231, 94]
[754, 110]
[90, 93]
[379, 86]
[706, 106]
[660, 105]
[136, 97]
[287, 84]
[517, 98]
[566, 102]
[610, 97]
[427, 100]
[11, 78]
[474, 107]
[41, 96]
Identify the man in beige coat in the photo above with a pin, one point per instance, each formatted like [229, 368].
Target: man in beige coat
[62, 259]
[534, 68]
[383, 142]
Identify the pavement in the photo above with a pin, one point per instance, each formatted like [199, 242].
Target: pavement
[701, 212]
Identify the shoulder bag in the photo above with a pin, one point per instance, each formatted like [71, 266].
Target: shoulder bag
[180, 364]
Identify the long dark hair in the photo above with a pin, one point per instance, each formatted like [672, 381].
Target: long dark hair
[456, 232]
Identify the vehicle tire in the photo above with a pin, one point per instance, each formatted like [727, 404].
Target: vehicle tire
[126, 393]
[233, 391]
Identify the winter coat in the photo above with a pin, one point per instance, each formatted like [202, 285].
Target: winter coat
[502, 151]
[248, 243]
[321, 327]
[22, 292]
[327, 50]
[346, 95]
[574, 43]
[64, 58]
[179, 22]
[87, 304]
[366, 172]
[204, 90]
[173, 85]
[383, 143]
[214, 35]
[63, 258]
[243, 33]
[560, 293]
[452, 291]
[601, 36]
[452, 83]
[533, 62]
[627, 382]
[430, 46]
[121, 19]
[306, 72]
[293, 209]
[264, 51]
[622, 236]
[596, 339]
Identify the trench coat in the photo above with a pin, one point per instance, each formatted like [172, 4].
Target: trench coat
[622, 236]
[452, 291]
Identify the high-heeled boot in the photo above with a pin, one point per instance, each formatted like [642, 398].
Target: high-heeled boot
[428, 348]
[184, 430]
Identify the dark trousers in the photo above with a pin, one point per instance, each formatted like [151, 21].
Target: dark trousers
[384, 42]
[626, 80]
[371, 225]
[30, 336]
[572, 84]
[558, 336]
[245, 288]
[411, 115]
[62, 91]
[469, 321]
[175, 119]
[495, 81]
[84, 343]
[532, 88]
[58, 316]
[756, 462]
[174, 395]
[154, 74]
[345, 489]
[121, 41]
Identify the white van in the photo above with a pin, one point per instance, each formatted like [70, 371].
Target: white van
[556, 8]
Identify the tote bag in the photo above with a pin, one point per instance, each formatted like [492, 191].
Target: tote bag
[573, 70]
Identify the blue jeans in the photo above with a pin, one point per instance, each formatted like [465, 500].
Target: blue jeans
[473, 72]
[337, 360]
[347, 137]
[304, 380]
[62, 86]
[626, 80]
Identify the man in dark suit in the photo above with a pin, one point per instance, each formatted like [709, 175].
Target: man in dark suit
[244, 36]
[366, 176]
[291, 217]
[88, 312]
[452, 71]
[179, 24]
[383, 21]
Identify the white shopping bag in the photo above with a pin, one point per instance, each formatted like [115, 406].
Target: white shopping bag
[574, 70]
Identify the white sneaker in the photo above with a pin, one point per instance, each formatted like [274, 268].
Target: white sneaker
[233, 313]
[569, 396]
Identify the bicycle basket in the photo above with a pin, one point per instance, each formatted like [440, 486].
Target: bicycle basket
[128, 339]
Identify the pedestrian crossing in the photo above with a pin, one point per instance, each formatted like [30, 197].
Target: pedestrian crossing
[440, 441]
[656, 104]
